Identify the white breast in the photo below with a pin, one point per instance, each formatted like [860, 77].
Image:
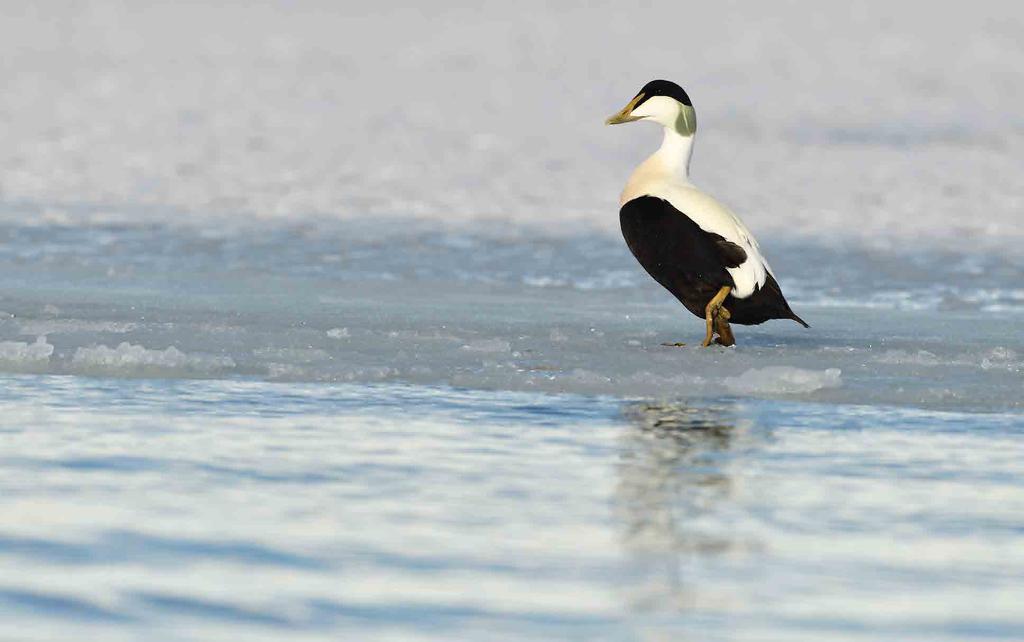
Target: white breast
[709, 215]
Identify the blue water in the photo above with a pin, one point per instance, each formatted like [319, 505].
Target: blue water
[174, 510]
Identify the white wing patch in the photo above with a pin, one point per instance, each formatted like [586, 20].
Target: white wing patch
[711, 216]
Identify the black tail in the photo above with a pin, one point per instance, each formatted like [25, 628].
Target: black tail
[764, 304]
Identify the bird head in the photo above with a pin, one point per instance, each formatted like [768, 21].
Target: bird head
[663, 102]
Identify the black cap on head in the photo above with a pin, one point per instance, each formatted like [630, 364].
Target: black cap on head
[664, 88]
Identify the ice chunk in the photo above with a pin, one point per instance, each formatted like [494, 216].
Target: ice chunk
[903, 357]
[19, 354]
[608, 280]
[135, 359]
[1000, 358]
[544, 282]
[488, 345]
[285, 371]
[641, 383]
[773, 380]
[339, 333]
[999, 353]
[558, 336]
[66, 326]
[292, 355]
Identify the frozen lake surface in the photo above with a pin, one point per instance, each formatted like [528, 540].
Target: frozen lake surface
[322, 328]
[499, 309]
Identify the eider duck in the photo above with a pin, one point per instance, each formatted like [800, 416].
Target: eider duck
[690, 243]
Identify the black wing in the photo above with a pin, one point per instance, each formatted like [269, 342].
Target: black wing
[691, 262]
[686, 260]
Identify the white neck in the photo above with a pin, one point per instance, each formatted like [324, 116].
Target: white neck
[670, 165]
[674, 153]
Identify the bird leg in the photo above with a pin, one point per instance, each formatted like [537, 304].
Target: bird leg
[711, 313]
[725, 337]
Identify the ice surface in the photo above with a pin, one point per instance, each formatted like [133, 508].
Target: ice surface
[488, 345]
[465, 314]
[70, 326]
[903, 357]
[783, 380]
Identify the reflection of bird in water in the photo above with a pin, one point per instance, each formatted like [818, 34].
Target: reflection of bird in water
[667, 471]
[671, 489]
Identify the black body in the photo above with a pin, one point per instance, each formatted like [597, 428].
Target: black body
[691, 263]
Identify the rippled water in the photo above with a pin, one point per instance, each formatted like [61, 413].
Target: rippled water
[199, 510]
